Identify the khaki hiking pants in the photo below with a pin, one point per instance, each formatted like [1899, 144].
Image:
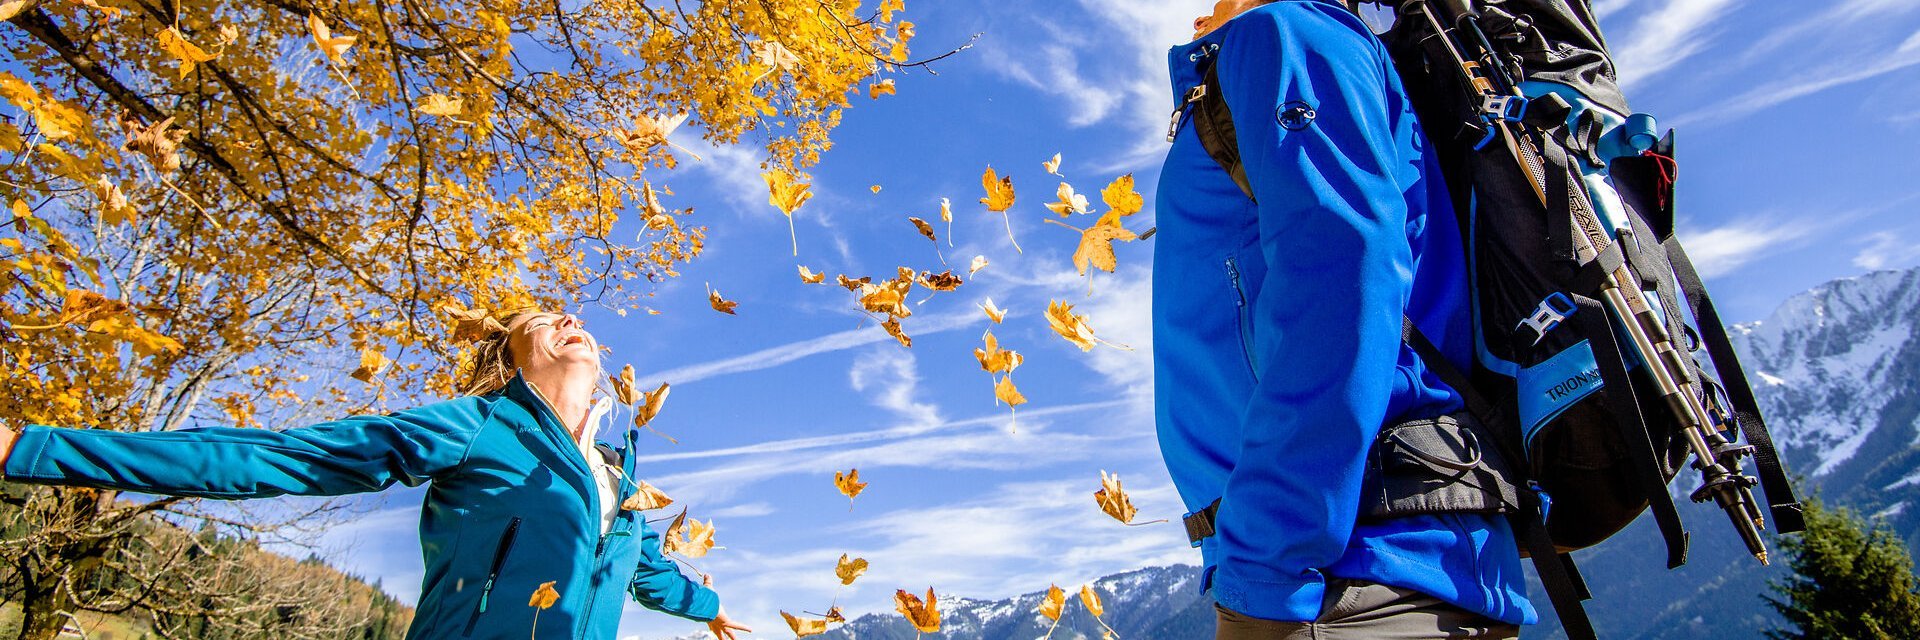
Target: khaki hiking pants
[1357, 610]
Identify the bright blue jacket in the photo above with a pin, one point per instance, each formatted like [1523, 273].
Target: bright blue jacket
[511, 504]
[1277, 351]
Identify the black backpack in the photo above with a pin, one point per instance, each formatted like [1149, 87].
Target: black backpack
[1564, 333]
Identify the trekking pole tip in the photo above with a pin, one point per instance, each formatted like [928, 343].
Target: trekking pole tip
[1762, 556]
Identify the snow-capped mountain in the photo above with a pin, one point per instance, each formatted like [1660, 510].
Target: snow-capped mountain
[1157, 602]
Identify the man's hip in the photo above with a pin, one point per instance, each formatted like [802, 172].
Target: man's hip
[1359, 610]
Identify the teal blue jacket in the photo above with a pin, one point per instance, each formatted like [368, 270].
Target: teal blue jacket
[510, 504]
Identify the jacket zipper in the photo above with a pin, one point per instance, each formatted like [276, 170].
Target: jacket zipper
[493, 572]
[593, 507]
[1240, 307]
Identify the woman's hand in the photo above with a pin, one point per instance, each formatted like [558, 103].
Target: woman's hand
[7, 437]
[723, 627]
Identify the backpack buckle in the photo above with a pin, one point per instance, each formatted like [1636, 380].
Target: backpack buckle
[1192, 95]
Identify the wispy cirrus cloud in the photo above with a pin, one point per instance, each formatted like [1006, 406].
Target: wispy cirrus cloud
[782, 354]
[1664, 37]
[1722, 250]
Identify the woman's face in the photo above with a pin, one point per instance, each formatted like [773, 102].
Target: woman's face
[546, 343]
[1223, 11]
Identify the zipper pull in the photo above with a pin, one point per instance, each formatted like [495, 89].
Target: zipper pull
[483, 595]
[1193, 95]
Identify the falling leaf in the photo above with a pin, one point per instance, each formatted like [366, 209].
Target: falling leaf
[924, 615]
[1113, 500]
[1074, 328]
[443, 105]
[1096, 247]
[687, 537]
[943, 281]
[924, 228]
[874, 188]
[1121, 198]
[853, 285]
[1069, 203]
[994, 313]
[892, 327]
[887, 7]
[1053, 165]
[623, 385]
[834, 615]
[652, 131]
[850, 569]
[334, 47]
[672, 539]
[10, 9]
[183, 51]
[1091, 600]
[979, 262]
[1050, 606]
[809, 277]
[544, 597]
[787, 194]
[889, 297]
[1004, 391]
[946, 215]
[649, 409]
[646, 498]
[849, 484]
[372, 364]
[803, 627]
[470, 324]
[114, 208]
[999, 199]
[996, 360]
[160, 146]
[881, 88]
[720, 304]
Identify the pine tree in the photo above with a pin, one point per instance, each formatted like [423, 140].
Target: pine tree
[1851, 579]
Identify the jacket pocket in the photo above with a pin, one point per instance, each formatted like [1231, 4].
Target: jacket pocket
[493, 572]
[1244, 316]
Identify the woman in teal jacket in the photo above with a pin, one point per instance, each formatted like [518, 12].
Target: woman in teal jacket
[518, 493]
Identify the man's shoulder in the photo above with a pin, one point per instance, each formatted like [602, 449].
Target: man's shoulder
[1294, 19]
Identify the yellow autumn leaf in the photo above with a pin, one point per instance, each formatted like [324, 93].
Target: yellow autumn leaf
[652, 131]
[11, 8]
[892, 327]
[470, 324]
[1113, 499]
[1004, 391]
[834, 615]
[979, 262]
[809, 277]
[720, 304]
[1052, 165]
[623, 386]
[874, 188]
[443, 105]
[1075, 328]
[881, 88]
[887, 7]
[924, 615]
[946, 215]
[999, 199]
[803, 627]
[993, 359]
[1121, 197]
[186, 52]
[774, 55]
[787, 194]
[646, 498]
[544, 597]
[996, 314]
[926, 230]
[1051, 605]
[699, 538]
[849, 484]
[652, 402]
[156, 142]
[1069, 202]
[372, 364]
[1091, 600]
[334, 46]
[943, 281]
[849, 569]
[1096, 247]
[114, 208]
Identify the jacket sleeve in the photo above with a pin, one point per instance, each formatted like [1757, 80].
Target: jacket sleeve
[1333, 230]
[659, 585]
[354, 455]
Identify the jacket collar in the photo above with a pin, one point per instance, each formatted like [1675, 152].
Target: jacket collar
[1187, 63]
[518, 390]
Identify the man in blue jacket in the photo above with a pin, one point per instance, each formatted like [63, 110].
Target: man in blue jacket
[1277, 328]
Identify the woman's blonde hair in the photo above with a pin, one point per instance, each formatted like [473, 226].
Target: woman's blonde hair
[491, 364]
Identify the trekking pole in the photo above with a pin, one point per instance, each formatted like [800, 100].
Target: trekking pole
[1702, 422]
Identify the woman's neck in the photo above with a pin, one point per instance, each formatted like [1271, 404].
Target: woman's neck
[570, 397]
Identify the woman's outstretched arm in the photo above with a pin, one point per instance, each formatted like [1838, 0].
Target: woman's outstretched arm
[357, 454]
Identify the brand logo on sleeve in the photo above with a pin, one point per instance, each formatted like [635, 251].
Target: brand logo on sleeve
[1296, 115]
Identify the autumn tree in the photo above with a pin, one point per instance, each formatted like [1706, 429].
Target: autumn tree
[216, 210]
[1851, 579]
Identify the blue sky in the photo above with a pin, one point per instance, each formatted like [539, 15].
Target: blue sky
[1796, 129]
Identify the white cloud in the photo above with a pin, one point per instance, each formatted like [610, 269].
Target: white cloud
[1665, 37]
[734, 169]
[888, 372]
[1806, 83]
[1148, 29]
[1055, 70]
[1886, 249]
[1720, 251]
[741, 511]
